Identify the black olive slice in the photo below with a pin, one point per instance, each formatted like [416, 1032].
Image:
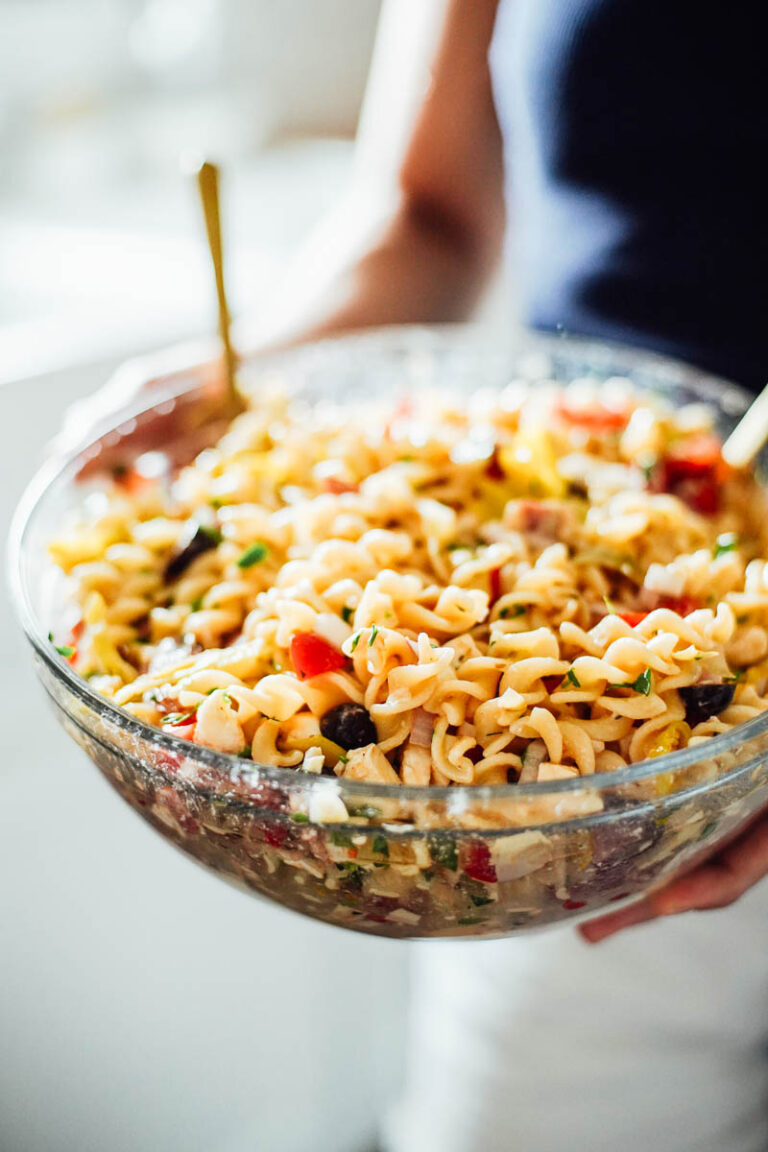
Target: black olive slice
[201, 540]
[704, 700]
[349, 725]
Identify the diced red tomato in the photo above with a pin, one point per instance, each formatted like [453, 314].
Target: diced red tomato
[683, 605]
[493, 468]
[574, 905]
[167, 762]
[401, 411]
[633, 618]
[476, 860]
[494, 580]
[692, 471]
[337, 487]
[311, 655]
[680, 604]
[132, 481]
[274, 834]
[74, 639]
[595, 418]
[183, 727]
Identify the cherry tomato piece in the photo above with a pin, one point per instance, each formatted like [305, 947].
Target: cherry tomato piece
[477, 861]
[593, 417]
[633, 618]
[311, 655]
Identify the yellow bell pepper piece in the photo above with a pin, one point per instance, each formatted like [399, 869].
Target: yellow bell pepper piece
[332, 752]
[530, 462]
[103, 648]
[669, 739]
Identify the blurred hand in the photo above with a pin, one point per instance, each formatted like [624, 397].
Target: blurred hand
[715, 883]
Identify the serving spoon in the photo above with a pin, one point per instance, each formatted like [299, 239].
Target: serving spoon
[206, 397]
[207, 174]
[749, 435]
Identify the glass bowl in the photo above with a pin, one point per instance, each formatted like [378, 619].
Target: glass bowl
[395, 861]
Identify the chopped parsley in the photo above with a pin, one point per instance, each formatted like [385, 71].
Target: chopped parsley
[65, 650]
[177, 717]
[642, 684]
[300, 818]
[380, 845]
[444, 851]
[513, 612]
[346, 613]
[341, 840]
[571, 678]
[365, 811]
[728, 542]
[373, 635]
[253, 555]
[355, 641]
[196, 604]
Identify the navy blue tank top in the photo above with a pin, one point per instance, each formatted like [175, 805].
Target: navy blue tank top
[636, 149]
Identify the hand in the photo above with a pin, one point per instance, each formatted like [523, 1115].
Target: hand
[715, 883]
[193, 363]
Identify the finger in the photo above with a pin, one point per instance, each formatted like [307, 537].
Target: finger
[723, 880]
[748, 856]
[604, 926]
[179, 429]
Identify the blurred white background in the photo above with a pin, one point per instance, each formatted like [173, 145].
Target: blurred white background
[144, 1005]
[99, 100]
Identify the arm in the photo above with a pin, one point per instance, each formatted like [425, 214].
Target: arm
[430, 252]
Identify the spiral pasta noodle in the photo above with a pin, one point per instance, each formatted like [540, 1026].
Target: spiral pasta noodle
[546, 585]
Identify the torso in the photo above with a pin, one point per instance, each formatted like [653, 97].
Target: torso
[635, 135]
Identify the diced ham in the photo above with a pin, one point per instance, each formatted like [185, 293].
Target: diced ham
[542, 522]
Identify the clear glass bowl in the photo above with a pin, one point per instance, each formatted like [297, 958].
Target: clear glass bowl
[407, 862]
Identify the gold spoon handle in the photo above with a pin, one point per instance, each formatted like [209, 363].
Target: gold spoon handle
[208, 185]
[749, 435]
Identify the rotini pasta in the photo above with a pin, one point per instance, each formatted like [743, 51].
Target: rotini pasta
[538, 586]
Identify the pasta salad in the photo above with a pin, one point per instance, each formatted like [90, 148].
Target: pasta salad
[527, 585]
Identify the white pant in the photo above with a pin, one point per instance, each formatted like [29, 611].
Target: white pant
[654, 1040]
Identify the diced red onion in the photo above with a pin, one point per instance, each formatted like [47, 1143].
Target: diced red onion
[421, 728]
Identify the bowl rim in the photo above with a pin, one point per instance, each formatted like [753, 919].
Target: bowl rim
[407, 338]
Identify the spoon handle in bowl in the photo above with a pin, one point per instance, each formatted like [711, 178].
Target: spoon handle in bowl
[749, 435]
